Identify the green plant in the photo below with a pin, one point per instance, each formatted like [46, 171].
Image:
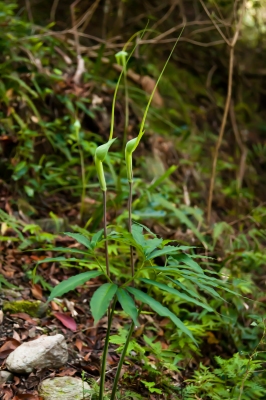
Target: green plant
[178, 265]
[157, 364]
[236, 378]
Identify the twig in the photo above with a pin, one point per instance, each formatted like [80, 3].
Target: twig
[80, 62]
[215, 24]
[88, 15]
[106, 12]
[28, 7]
[242, 147]
[53, 10]
[231, 44]
[165, 16]
[75, 27]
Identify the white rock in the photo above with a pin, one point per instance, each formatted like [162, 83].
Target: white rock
[64, 388]
[44, 352]
[5, 376]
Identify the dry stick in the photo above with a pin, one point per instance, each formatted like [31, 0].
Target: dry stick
[74, 27]
[53, 10]
[215, 23]
[232, 44]
[28, 8]
[221, 133]
[80, 61]
[86, 18]
[242, 147]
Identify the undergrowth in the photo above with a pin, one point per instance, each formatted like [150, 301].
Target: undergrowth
[47, 165]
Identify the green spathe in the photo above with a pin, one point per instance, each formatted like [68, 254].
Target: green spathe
[130, 148]
[121, 57]
[101, 151]
[100, 154]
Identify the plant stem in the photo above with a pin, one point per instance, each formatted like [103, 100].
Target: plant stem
[123, 355]
[105, 351]
[105, 234]
[126, 108]
[130, 227]
[83, 175]
[124, 352]
[121, 361]
[125, 124]
[109, 315]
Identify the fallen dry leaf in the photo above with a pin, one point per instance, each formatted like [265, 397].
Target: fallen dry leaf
[25, 317]
[1, 316]
[87, 356]
[36, 291]
[55, 306]
[10, 344]
[7, 348]
[79, 344]
[16, 336]
[7, 393]
[211, 338]
[67, 372]
[67, 321]
[27, 396]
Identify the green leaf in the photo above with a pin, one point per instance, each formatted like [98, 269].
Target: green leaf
[184, 258]
[6, 283]
[183, 287]
[29, 190]
[138, 235]
[57, 259]
[152, 244]
[150, 387]
[145, 228]
[166, 250]
[72, 283]
[21, 83]
[69, 250]
[79, 238]
[205, 287]
[128, 305]
[101, 299]
[175, 292]
[163, 177]
[96, 238]
[161, 310]
[219, 229]
[182, 217]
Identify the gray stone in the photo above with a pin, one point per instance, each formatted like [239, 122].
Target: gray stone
[44, 352]
[64, 388]
[5, 376]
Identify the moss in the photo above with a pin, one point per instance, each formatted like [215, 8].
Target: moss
[33, 308]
